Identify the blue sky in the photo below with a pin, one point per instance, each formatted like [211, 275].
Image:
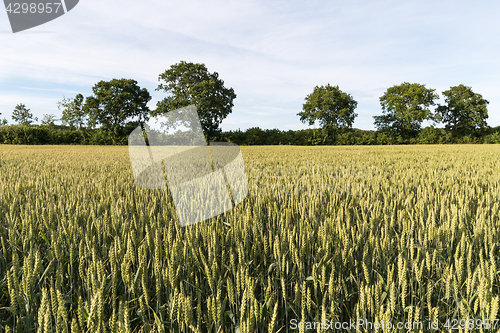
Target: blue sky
[273, 53]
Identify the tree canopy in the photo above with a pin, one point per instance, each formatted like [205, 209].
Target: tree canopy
[331, 107]
[48, 120]
[116, 101]
[73, 113]
[464, 110]
[22, 115]
[188, 83]
[405, 107]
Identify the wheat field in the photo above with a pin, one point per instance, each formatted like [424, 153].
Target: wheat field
[326, 235]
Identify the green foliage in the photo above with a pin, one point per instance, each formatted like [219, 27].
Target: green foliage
[73, 112]
[61, 135]
[23, 135]
[48, 120]
[22, 115]
[118, 135]
[404, 108]
[331, 107]
[429, 135]
[190, 83]
[465, 111]
[115, 102]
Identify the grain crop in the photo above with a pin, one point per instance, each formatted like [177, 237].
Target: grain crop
[326, 235]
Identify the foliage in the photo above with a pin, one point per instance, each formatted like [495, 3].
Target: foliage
[73, 112]
[331, 107]
[61, 135]
[404, 107]
[22, 115]
[23, 135]
[118, 135]
[188, 83]
[465, 111]
[48, 120]
[115, 102]
[429, 135]
[373, 235]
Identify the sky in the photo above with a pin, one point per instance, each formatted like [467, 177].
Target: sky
[272, 53]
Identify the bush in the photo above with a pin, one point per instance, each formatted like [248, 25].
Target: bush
[118, 135]
[428, 135]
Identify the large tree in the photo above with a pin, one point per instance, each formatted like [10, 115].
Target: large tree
[405, 107]
[117, 101]
[188, 83]
[22, 115]
[464, 111]
[330, 106]
[73, 112]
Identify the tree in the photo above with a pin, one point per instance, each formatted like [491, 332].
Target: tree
[73, 113]
[404, 107]
[331, 107]
[3, 121]
[465, 111]
[48, 120]
[22, 115]
[189, 83]
[116, 101]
